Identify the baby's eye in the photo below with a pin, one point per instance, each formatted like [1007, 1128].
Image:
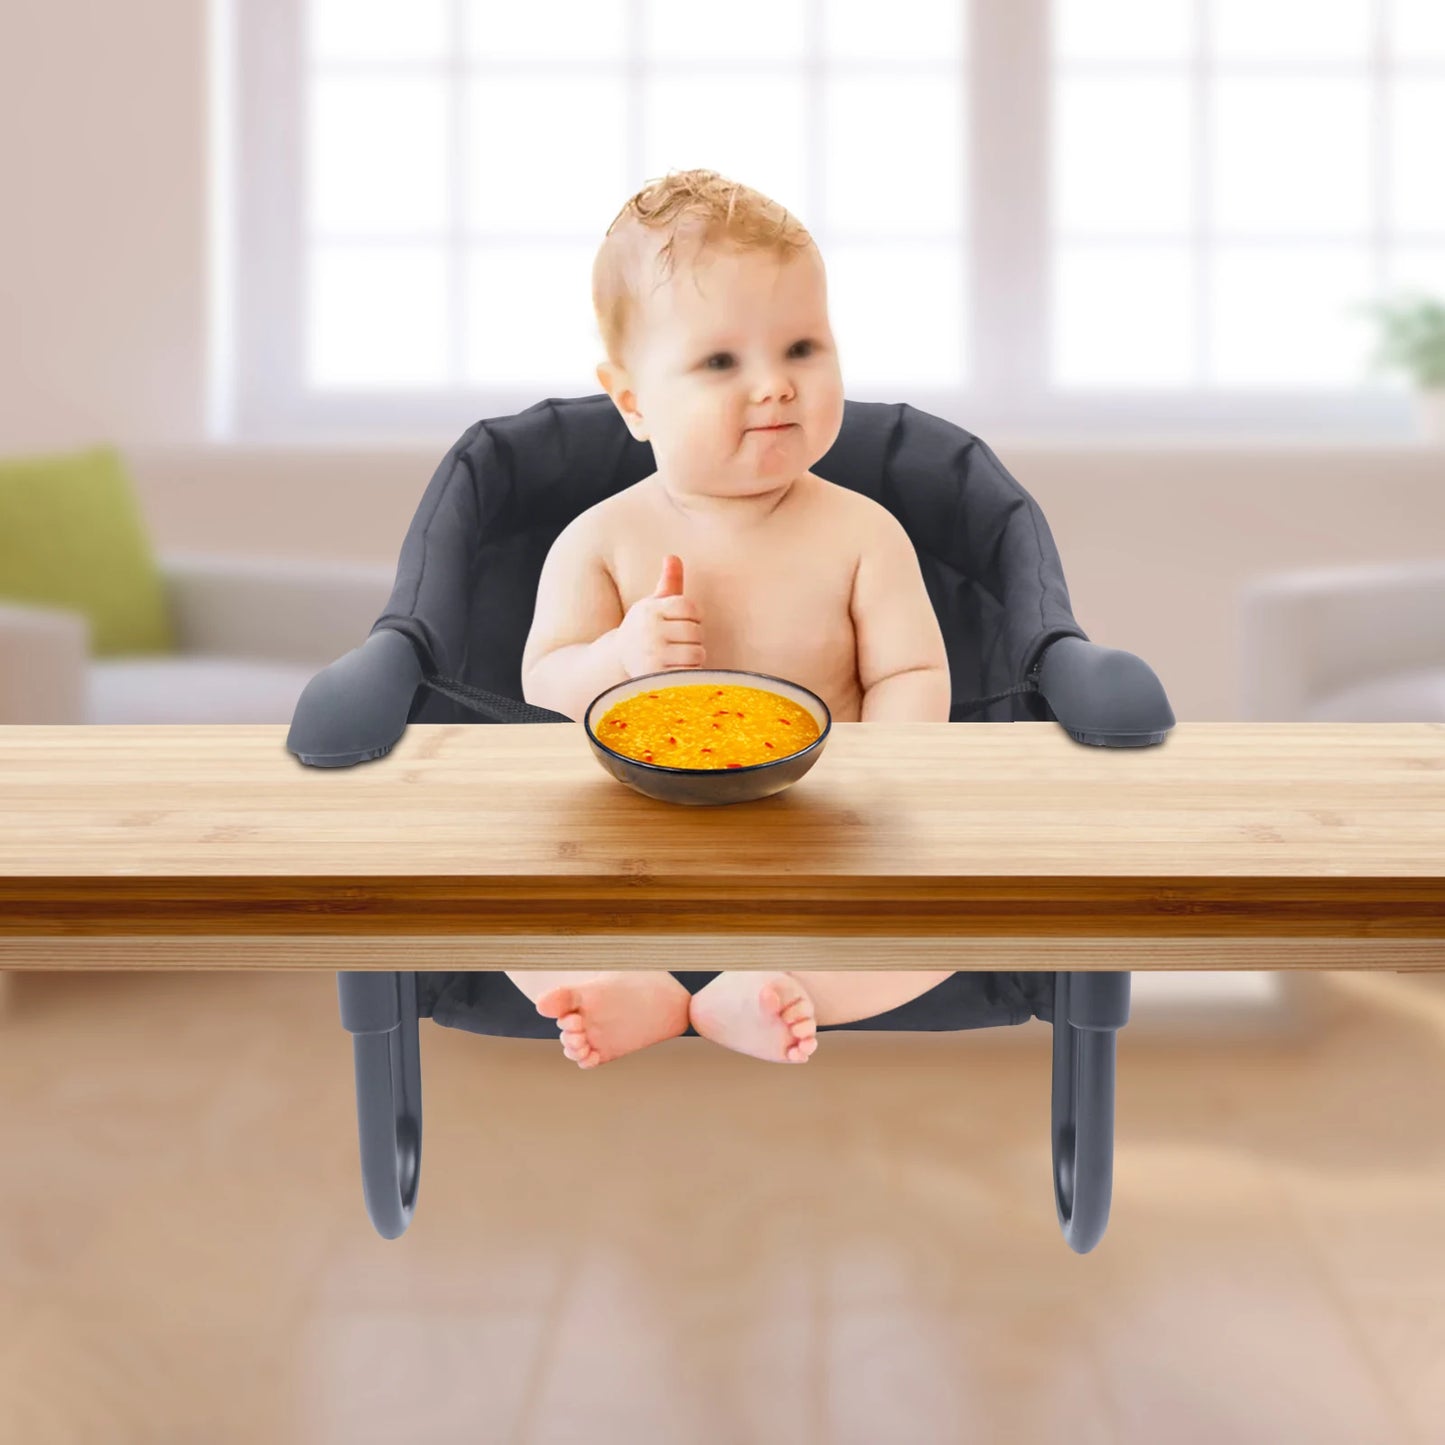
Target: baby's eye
[803, 348]
[719, 361]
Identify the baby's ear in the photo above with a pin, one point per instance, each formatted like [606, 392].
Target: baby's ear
[617, 385]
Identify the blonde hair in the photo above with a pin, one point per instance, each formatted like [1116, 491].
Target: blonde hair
[701, 207]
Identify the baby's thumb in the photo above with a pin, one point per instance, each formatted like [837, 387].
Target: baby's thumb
[670, 584]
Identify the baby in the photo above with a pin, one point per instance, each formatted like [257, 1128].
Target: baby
[712, 304]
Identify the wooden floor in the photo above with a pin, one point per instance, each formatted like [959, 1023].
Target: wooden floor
[691, 1246]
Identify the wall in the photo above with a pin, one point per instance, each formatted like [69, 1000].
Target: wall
[102, 221]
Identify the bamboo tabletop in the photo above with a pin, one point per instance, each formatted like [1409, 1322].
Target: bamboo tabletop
[908, 845]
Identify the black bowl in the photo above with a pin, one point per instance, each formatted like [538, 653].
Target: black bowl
[708, 786]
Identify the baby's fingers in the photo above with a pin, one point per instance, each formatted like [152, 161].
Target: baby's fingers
[684, 632]
[678, 609]
[682, 645]
[684, 655]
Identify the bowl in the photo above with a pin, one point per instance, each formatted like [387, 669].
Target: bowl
[708, 787]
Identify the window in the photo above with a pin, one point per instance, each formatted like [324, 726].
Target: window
[1068, 217]
[427, 183]
[1232, 179]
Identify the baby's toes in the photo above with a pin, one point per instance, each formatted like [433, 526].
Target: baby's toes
[797, 1008]
[799, 1012]
[802, 1050]
[773, 1001]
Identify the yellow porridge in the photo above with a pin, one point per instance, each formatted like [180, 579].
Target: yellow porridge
[707, 725]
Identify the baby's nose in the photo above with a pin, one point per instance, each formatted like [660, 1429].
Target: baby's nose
[772, 386]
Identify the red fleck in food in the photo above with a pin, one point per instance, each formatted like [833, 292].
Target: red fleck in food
[786, 722]
[672, 739]
[734, 765]
[767, 745]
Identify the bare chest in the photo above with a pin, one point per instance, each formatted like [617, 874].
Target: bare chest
[773, 598]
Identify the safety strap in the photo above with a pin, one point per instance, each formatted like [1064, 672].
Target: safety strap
[509, 710]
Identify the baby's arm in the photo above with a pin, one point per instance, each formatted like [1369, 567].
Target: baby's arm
[572, 650]
[902, 662]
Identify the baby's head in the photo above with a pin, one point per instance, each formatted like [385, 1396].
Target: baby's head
[713, 308]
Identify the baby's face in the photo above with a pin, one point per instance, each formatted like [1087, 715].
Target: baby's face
[734, 374]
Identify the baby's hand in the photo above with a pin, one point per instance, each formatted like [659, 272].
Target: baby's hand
[664, 630]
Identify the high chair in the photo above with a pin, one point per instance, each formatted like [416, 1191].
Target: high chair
[448, 649]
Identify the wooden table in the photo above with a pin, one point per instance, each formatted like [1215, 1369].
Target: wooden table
[986, 846]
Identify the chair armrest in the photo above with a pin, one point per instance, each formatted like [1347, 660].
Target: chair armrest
[1102, 696]
[357, 708]
[280, 610]
[44, 663]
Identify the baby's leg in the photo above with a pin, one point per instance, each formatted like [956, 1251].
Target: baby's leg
[605, 1015]
[842, 995]
[534, 982]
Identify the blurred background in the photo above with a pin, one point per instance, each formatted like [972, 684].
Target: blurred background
[1181, 263]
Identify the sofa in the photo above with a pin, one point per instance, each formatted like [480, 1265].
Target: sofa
[250, 634]
[1344, 644]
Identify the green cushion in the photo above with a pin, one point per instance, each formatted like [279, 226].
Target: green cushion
[71, 536]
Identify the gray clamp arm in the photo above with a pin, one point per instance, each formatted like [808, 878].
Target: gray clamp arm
[357, 708]
[1089, 1010]
[379, 1010]
[1102, 696]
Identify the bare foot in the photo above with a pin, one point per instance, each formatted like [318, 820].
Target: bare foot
[613, 1014]
[767, 1015]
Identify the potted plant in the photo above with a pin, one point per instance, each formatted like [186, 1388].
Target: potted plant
[1412, 339]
